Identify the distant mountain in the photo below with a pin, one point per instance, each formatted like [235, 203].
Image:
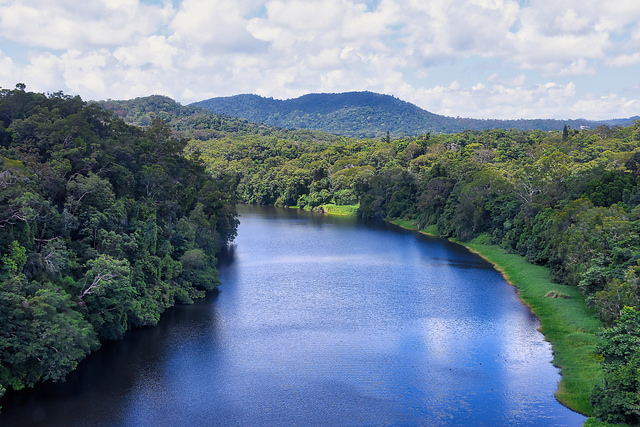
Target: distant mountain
[620, 122]
[186, 121]
[200, 123]
[366, 114]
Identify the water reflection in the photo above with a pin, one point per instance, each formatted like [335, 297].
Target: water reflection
[97, 392]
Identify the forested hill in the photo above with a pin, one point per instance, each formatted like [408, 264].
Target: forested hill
[192, 122]
[103, 226]
[202, 124]
[365, 114]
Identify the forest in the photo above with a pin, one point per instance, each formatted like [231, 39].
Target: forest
[106, 224]
[568, 200]
[103, 226]
[367, 115]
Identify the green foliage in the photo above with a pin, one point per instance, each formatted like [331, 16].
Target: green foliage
[618, 399]
[594, 422]
[361, 115]
[107, 296]
[14, 261]
[198, 268]
[609, 188]
[566, 199]
[43, 335]
[97, 219]
[347, 210]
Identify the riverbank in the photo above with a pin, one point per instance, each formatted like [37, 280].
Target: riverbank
[565, 320]
[332, 209]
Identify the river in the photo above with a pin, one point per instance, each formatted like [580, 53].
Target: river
[322, 321]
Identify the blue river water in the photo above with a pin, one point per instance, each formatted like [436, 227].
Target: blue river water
[322, 321]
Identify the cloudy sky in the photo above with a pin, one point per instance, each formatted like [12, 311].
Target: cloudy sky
[469, 58]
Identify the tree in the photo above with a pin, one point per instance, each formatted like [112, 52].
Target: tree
[107, 295]
[14, 261]
[89, 211]
[198, 269]
[618, 399]
[609, 188]
[42, 336]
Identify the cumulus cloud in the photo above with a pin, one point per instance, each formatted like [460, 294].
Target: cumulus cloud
[68, 24]
[523, 100]
[213, 23]
[626, 60]
[538, 58]
[155, 51]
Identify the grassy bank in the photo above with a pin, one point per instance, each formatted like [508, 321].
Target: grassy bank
[331, 209]
[565, 321]
[340, 210]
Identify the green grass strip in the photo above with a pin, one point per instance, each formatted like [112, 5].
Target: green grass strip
[332, 209]
[566, 323]
[565, 320]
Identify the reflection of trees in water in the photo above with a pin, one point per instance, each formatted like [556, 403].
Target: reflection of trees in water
[106, 378]
[227, 255]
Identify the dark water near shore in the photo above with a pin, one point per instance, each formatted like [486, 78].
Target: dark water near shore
[322, 321]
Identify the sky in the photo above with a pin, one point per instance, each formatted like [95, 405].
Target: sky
[506, 59]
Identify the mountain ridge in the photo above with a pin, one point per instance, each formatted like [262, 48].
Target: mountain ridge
[369, 114]
[198, 123]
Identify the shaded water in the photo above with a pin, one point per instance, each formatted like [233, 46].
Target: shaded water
[323, 321]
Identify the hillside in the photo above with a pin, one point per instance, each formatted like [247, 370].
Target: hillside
[104, 226]
[365, 114]
[186, 121]
[199, 123]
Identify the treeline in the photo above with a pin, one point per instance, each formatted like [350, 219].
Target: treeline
[567, 200]
[102, 227]
[363, 115]
[199, 123]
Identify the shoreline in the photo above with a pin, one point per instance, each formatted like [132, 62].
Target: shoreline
[566, 322]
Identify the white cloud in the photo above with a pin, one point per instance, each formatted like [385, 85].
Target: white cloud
[626, 60]
[519, 99]
[86, 73]
[152, 51]
[476, 58]
[212, 23]
[444, 30]
[67, 24]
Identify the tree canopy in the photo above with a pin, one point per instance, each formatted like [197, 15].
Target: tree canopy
[566, 200]
[365, 114]
[103, 226]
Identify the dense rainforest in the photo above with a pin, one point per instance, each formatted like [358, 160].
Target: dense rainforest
[568, 200]
[103, 226]
[89, 201]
